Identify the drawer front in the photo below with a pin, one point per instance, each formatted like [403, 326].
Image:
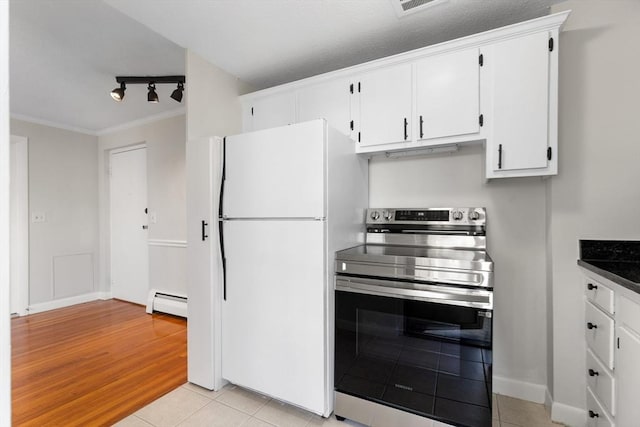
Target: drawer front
[596, 415]
[599, 333]
[628, 314]
[601, 382]
[600, 295]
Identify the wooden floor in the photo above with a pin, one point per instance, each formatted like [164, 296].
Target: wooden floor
[93, 364]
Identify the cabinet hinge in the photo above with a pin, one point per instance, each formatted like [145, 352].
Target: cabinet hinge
[481, 120]
[252, 111]
[481, 60]
[358, 87]
[351, 88]
[551, 44]
[548, 153]
[358, 136]
[351, 124]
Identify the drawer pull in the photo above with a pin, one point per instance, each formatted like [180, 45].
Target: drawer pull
[593, 373]
[593, 414]
[591, 286]
[592, 326]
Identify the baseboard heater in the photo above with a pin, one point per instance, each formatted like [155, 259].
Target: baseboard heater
[165, 302]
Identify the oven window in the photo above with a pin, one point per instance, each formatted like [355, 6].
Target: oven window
[430, 359]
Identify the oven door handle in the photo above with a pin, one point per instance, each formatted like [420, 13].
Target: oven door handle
[464, 297]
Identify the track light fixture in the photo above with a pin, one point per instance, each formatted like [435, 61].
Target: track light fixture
[177, 94]
[152, 96]
[118, 93]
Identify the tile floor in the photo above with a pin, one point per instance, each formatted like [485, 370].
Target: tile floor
[190, 405]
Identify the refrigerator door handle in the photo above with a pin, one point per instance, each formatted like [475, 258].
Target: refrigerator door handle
[222, 179]
[223, 259]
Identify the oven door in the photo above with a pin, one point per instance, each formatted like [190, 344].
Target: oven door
[421, 348]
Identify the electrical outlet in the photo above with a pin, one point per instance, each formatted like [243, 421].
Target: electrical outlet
[153, 217]
[38, 217]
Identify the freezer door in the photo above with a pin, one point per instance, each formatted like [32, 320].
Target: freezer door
[276, 172]
[274, 313]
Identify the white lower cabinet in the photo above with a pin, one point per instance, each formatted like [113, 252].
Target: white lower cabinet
[627, 372]
[612, 332]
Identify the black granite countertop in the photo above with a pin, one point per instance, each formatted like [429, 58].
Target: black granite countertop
[616, 260]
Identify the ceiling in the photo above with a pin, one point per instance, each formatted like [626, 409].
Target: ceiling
[65, 53]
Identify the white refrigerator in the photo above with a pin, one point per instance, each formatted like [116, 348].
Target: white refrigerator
[290, 197]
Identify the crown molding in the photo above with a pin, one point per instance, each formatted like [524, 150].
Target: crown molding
[150, 119]
[48, 123]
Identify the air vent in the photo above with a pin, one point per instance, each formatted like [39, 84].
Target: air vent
[406, 7]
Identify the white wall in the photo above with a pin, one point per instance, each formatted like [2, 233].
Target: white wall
[166, 197]
[213, 108]
[516, 242]
[596, 194]
[63, 250]
[5, 337]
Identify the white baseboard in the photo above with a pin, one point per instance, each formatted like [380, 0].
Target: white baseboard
[66, 302]
[519, 389]
[568, 415]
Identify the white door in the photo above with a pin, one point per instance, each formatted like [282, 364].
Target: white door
[276, 172]
[385, 106]
[520, 119]
[19, 225]
[203, 262]
[273, 314]
[448, 94]
[129, 251]
[627, 378]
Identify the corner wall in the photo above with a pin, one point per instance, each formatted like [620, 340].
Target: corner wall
[63, 249]
[596, 194]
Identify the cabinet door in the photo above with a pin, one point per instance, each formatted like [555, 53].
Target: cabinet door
[520, 117]
[627, 378]
[330, 101]
[448, 94]
[385, 105]
[272, 111]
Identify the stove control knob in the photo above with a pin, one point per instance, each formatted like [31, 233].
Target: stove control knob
[474, 215]
[375, 215]
[388, 215]
[457, 215]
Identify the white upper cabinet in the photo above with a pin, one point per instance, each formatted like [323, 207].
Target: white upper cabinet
[328, 100]
[382, 101]
[448, 94]
[270, 111]
[500, 87]
[521, 141]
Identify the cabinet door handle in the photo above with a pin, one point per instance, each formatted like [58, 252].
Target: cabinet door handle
[406, 124]
[204, 230]
[499, 156]
[593, 414]
[421, 131]
[591, 286]
[592, 325]
[593, 373]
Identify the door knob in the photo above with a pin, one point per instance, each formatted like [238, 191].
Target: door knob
[145, 227]
[591, 326]
[593, 373]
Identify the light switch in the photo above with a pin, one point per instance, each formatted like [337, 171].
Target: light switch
[38, 217]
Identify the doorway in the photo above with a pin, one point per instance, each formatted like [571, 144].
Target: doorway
[129, 225]
[19, 220]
